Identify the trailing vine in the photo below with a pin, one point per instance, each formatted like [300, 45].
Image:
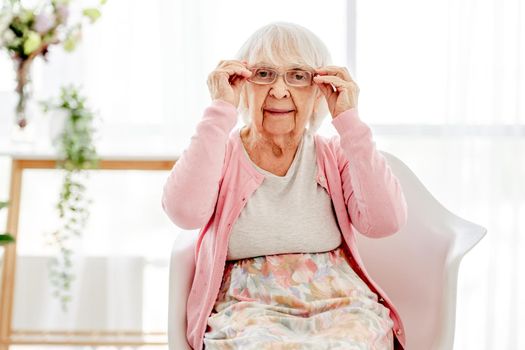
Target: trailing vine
[5, 238]
[76, 153]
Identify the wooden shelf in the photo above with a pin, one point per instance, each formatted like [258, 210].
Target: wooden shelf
[8, 336]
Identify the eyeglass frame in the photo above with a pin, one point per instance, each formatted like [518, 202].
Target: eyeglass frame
[278, 74]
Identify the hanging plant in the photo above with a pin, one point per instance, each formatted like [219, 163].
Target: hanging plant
[5, 238]
[76, 153]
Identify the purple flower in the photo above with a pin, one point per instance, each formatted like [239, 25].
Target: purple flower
[43, 22]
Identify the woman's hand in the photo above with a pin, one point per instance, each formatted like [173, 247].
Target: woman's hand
[226, 81]
[346, 91]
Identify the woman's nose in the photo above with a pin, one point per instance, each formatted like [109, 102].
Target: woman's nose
[279, 88]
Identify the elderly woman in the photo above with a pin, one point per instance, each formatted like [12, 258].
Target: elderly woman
[277, 265]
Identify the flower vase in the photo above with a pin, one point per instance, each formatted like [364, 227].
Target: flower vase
[24, 131]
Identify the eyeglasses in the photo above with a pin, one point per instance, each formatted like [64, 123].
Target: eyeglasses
[293, 77]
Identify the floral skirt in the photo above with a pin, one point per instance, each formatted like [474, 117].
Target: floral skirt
[297, 301]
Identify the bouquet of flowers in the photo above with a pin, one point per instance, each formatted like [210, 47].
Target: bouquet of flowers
[28, 32]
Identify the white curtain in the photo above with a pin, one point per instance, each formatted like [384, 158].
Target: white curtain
[442, 86]
[143, 67]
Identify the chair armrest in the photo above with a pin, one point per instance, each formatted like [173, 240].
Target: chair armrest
[182, 270]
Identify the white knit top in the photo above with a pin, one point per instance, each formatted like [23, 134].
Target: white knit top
[286, 214]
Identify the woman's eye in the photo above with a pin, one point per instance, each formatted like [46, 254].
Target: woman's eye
[300, 75]
[263, 73]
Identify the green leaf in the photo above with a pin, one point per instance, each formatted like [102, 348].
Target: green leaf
[17, 27]
[32, 42]
[4, 204]
[70, 43]
[6, 239]
[92, 13]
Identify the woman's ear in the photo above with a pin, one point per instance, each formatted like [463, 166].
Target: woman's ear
[318, 96]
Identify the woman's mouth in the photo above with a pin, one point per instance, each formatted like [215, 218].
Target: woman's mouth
[279, 112]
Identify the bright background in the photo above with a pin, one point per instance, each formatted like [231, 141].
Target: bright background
[442, 85]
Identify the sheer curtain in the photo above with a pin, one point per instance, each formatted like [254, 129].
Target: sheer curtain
[143, 67]
[442, 86]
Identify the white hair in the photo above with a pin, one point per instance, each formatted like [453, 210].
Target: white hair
[286, 42]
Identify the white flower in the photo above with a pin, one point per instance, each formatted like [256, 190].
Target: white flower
[7, 37]
[5, 19]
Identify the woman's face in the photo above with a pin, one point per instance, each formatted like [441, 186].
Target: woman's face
[263, 102]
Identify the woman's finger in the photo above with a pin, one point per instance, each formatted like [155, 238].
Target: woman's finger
[336, 82]
[234, 65]
[326, 89]
[237, 70]
[341, 72]
[332, 84]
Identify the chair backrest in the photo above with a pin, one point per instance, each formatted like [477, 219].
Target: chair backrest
[418, 266]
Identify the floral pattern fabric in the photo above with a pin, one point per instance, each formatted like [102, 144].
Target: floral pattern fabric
[297, 301]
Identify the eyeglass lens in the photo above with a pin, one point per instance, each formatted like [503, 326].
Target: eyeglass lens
[294, 77]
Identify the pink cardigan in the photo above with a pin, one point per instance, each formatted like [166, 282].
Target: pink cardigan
[212, 180]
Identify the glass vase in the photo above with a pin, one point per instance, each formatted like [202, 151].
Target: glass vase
[24, 130]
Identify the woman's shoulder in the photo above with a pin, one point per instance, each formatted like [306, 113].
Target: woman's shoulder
[233, 150]
[332, 142]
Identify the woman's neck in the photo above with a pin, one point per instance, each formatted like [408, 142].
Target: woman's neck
[268, 145]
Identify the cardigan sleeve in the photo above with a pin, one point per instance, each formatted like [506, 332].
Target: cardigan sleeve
[373, 195]
[192, 187]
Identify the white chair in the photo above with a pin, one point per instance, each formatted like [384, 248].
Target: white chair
[417, 267]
